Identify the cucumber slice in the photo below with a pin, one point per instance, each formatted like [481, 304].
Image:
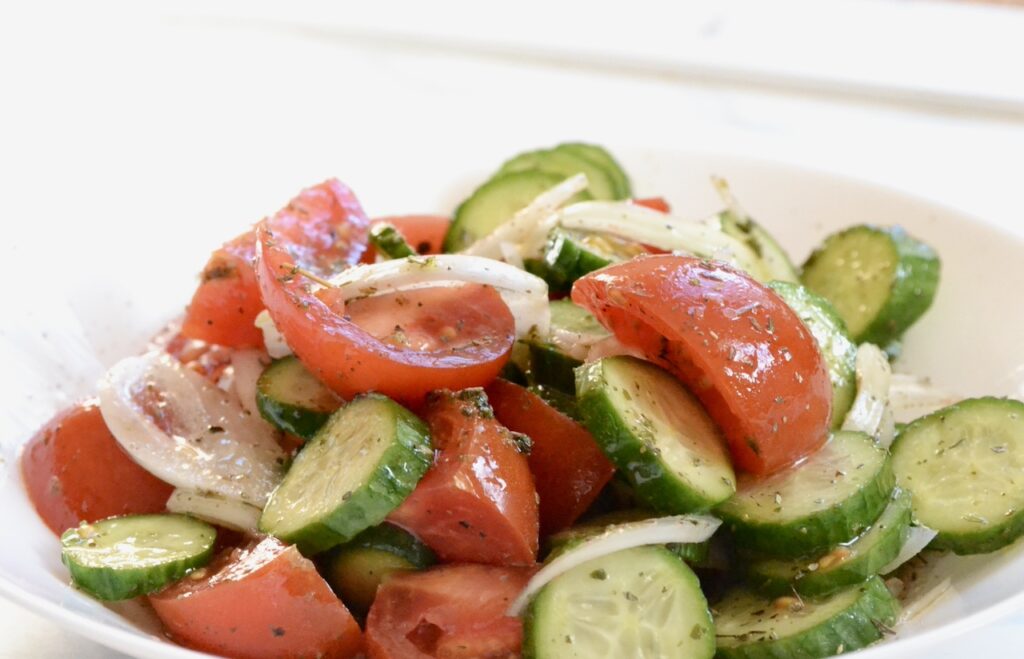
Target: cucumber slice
[880, 280]
[568, 255]
[694, 554]
[845, 565]
[828, 499]
[776, 261]
[388, 242]
[124, 557]
[964, 467]
[571, 326]
[750, 627]
[355, 569]
[558, 399]
[564, 163]
[601, 156]
[656, 433]
[359, 467]
[494, 203]
[292, 399]
[641, 602]
[829, 331]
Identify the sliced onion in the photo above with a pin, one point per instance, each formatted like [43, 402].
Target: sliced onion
[682, 529]
[273, 340]
[229, 513]
[187, 432]
[526, 295]
[912, 397]
[651, 227]
[922, 598]
[870, 412]
[610, 347]
[917, 540]
[523, 225]
[247, 366]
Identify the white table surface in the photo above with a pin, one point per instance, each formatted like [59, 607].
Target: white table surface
[124, 109]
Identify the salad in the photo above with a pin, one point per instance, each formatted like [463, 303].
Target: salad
[564, 423]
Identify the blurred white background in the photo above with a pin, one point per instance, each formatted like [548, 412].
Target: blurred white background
[185, 121]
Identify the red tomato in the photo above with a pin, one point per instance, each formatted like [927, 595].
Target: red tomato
[568, 467]
[225, 305]
[324, 229]
[75, 471]
[654, 203]
[263, 600]
[424, 233]
[476, 503]
[732, 341]
[403, 345]
[451, 612]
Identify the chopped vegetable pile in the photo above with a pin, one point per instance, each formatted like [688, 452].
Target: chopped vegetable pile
[563, 423]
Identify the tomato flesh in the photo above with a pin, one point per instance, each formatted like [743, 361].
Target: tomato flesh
[451, 612]
[463, 335]
[654, 203]
[424, 233]
[568, 466]
[731, 340]
[477, 502]
[75, 471]
[324, 229]
[262, 600]
[224, 306]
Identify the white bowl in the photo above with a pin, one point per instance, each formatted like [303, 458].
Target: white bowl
[58, 334]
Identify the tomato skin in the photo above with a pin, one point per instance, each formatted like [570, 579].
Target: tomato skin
[450, 612]
[324, 228]
[263, 600]
[75, 471]
[654, 203]
[731, 341]
[424, 233]
[224, 306]
[568, 466]
[351, 360]
[477, 502]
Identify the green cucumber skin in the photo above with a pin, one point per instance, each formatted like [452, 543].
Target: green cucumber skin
[292, 419]
[560, 400]
[407, 460]
[821, 583]
[983, 541]
[775, 259]
[532, 643]
[390, 538]
[817, 532]
[911, 292]
[601, 156]
[553, 368]
[565, 261]
[466, 226]
[859, 626]
[564, 163]
[389, 242]
[829, 332]
[121, 584]
[656, 487]
[296, 419]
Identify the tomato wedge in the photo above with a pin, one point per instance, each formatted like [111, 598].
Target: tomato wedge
[403, 345]
[454, 612]
[476, 503]
[424, 233]
[568, 466]
[324, 229]
[75, 471]
[731, 340]
[262, 600]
